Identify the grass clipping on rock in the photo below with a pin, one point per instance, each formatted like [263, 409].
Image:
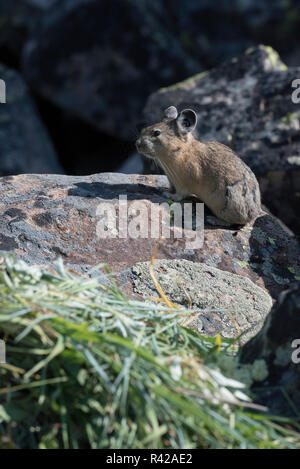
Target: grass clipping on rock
[88, 368]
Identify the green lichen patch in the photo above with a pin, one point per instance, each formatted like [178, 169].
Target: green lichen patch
[184, 83]
[274, 58]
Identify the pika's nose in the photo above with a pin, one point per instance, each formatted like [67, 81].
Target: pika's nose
[138, 143]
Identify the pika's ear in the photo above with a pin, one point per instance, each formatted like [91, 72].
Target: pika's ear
[187, 121]
[171, 112]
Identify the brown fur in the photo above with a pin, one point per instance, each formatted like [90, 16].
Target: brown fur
[210, 171]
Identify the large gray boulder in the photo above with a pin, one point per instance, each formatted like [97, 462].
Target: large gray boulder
[100, 60]
[246, 104]
[24, 142]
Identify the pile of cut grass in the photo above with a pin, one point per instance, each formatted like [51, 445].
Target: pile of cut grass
[87, 368]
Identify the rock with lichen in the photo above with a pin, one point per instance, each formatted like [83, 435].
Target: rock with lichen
[228, 304]
[247, 104]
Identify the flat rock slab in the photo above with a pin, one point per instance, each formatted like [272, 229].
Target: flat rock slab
[232, 304]
[43, 217]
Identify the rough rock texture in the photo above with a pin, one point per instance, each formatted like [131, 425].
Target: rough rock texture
[247, 104]
[46, 216]
[234, 305]
[278, 343]
[24, 142]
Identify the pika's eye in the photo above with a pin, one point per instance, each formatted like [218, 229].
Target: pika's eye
[155, 133]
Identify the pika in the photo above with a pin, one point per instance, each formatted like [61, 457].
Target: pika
[210, 171]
